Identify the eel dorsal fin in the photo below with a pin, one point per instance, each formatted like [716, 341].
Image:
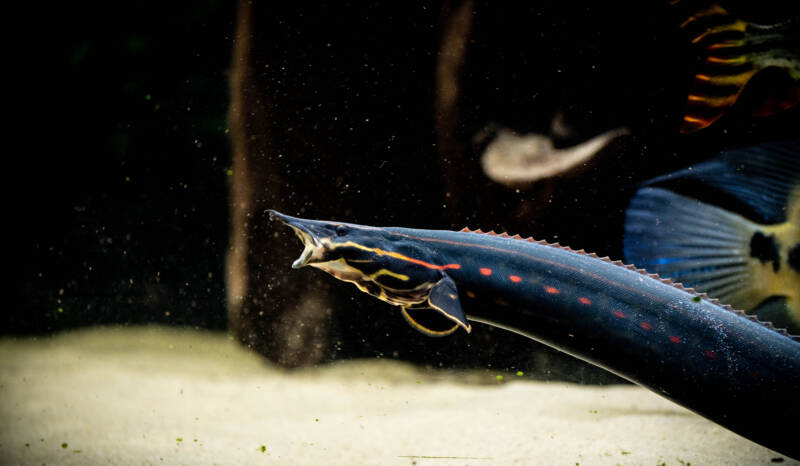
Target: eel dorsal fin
[653, 276]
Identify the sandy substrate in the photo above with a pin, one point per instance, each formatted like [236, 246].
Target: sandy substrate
[165, 396]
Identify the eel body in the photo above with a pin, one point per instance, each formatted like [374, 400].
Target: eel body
[718, 362]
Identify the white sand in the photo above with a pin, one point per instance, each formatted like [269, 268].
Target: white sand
[164, 396]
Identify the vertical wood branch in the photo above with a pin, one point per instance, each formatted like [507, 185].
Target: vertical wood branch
[457, 25]
[285, 320]
[241, 190]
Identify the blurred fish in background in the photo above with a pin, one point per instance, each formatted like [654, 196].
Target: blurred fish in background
[514, 160]
[730, 52]
[729, 227]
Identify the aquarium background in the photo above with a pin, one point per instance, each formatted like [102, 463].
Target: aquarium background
[119, 212]
[117, 345]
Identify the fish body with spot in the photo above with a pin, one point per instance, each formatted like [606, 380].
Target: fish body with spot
[720, 363]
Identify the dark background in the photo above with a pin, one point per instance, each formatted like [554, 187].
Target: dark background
[120, 216]
[119, 209]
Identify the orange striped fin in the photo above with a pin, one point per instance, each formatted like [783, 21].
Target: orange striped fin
[724, 68]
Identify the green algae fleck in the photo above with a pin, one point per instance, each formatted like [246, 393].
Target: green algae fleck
[499, 378]
[27, 445]
[697, 299]
[179, 439]
[64, 445]
[520, 373]
[263, 448]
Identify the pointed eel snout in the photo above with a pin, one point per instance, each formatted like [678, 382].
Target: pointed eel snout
[313, 248]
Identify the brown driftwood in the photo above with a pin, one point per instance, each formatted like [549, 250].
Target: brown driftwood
[282, 319]
[456, 27]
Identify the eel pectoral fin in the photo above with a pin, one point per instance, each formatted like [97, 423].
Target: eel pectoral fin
[447, 315]
[444, 298]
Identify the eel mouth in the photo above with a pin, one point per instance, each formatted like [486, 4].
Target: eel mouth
[313, 249]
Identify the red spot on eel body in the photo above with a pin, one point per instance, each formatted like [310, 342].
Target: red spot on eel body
[585, 301]
[619, 314]
[515, 278]
[551, 290]
[485, 271]
[470, 294]
[646, 326]
[674, 339]
[710, 354]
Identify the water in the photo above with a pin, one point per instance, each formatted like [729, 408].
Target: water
[155, 317]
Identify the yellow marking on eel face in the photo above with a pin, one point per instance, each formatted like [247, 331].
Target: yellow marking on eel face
[380, 272]
[396, 255]
[340, 269]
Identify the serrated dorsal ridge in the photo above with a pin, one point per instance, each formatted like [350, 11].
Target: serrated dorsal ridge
[655, 276]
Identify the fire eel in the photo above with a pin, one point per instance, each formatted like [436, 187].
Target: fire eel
[718, 362]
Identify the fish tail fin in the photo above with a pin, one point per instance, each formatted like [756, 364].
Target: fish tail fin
[730, 52]
[694, 243]
[741, 261]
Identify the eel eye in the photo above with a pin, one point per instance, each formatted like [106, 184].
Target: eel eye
[341, 231]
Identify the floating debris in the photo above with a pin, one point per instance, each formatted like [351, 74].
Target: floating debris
[515, 160]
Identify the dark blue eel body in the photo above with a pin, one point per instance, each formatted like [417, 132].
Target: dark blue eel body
[718, 362]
